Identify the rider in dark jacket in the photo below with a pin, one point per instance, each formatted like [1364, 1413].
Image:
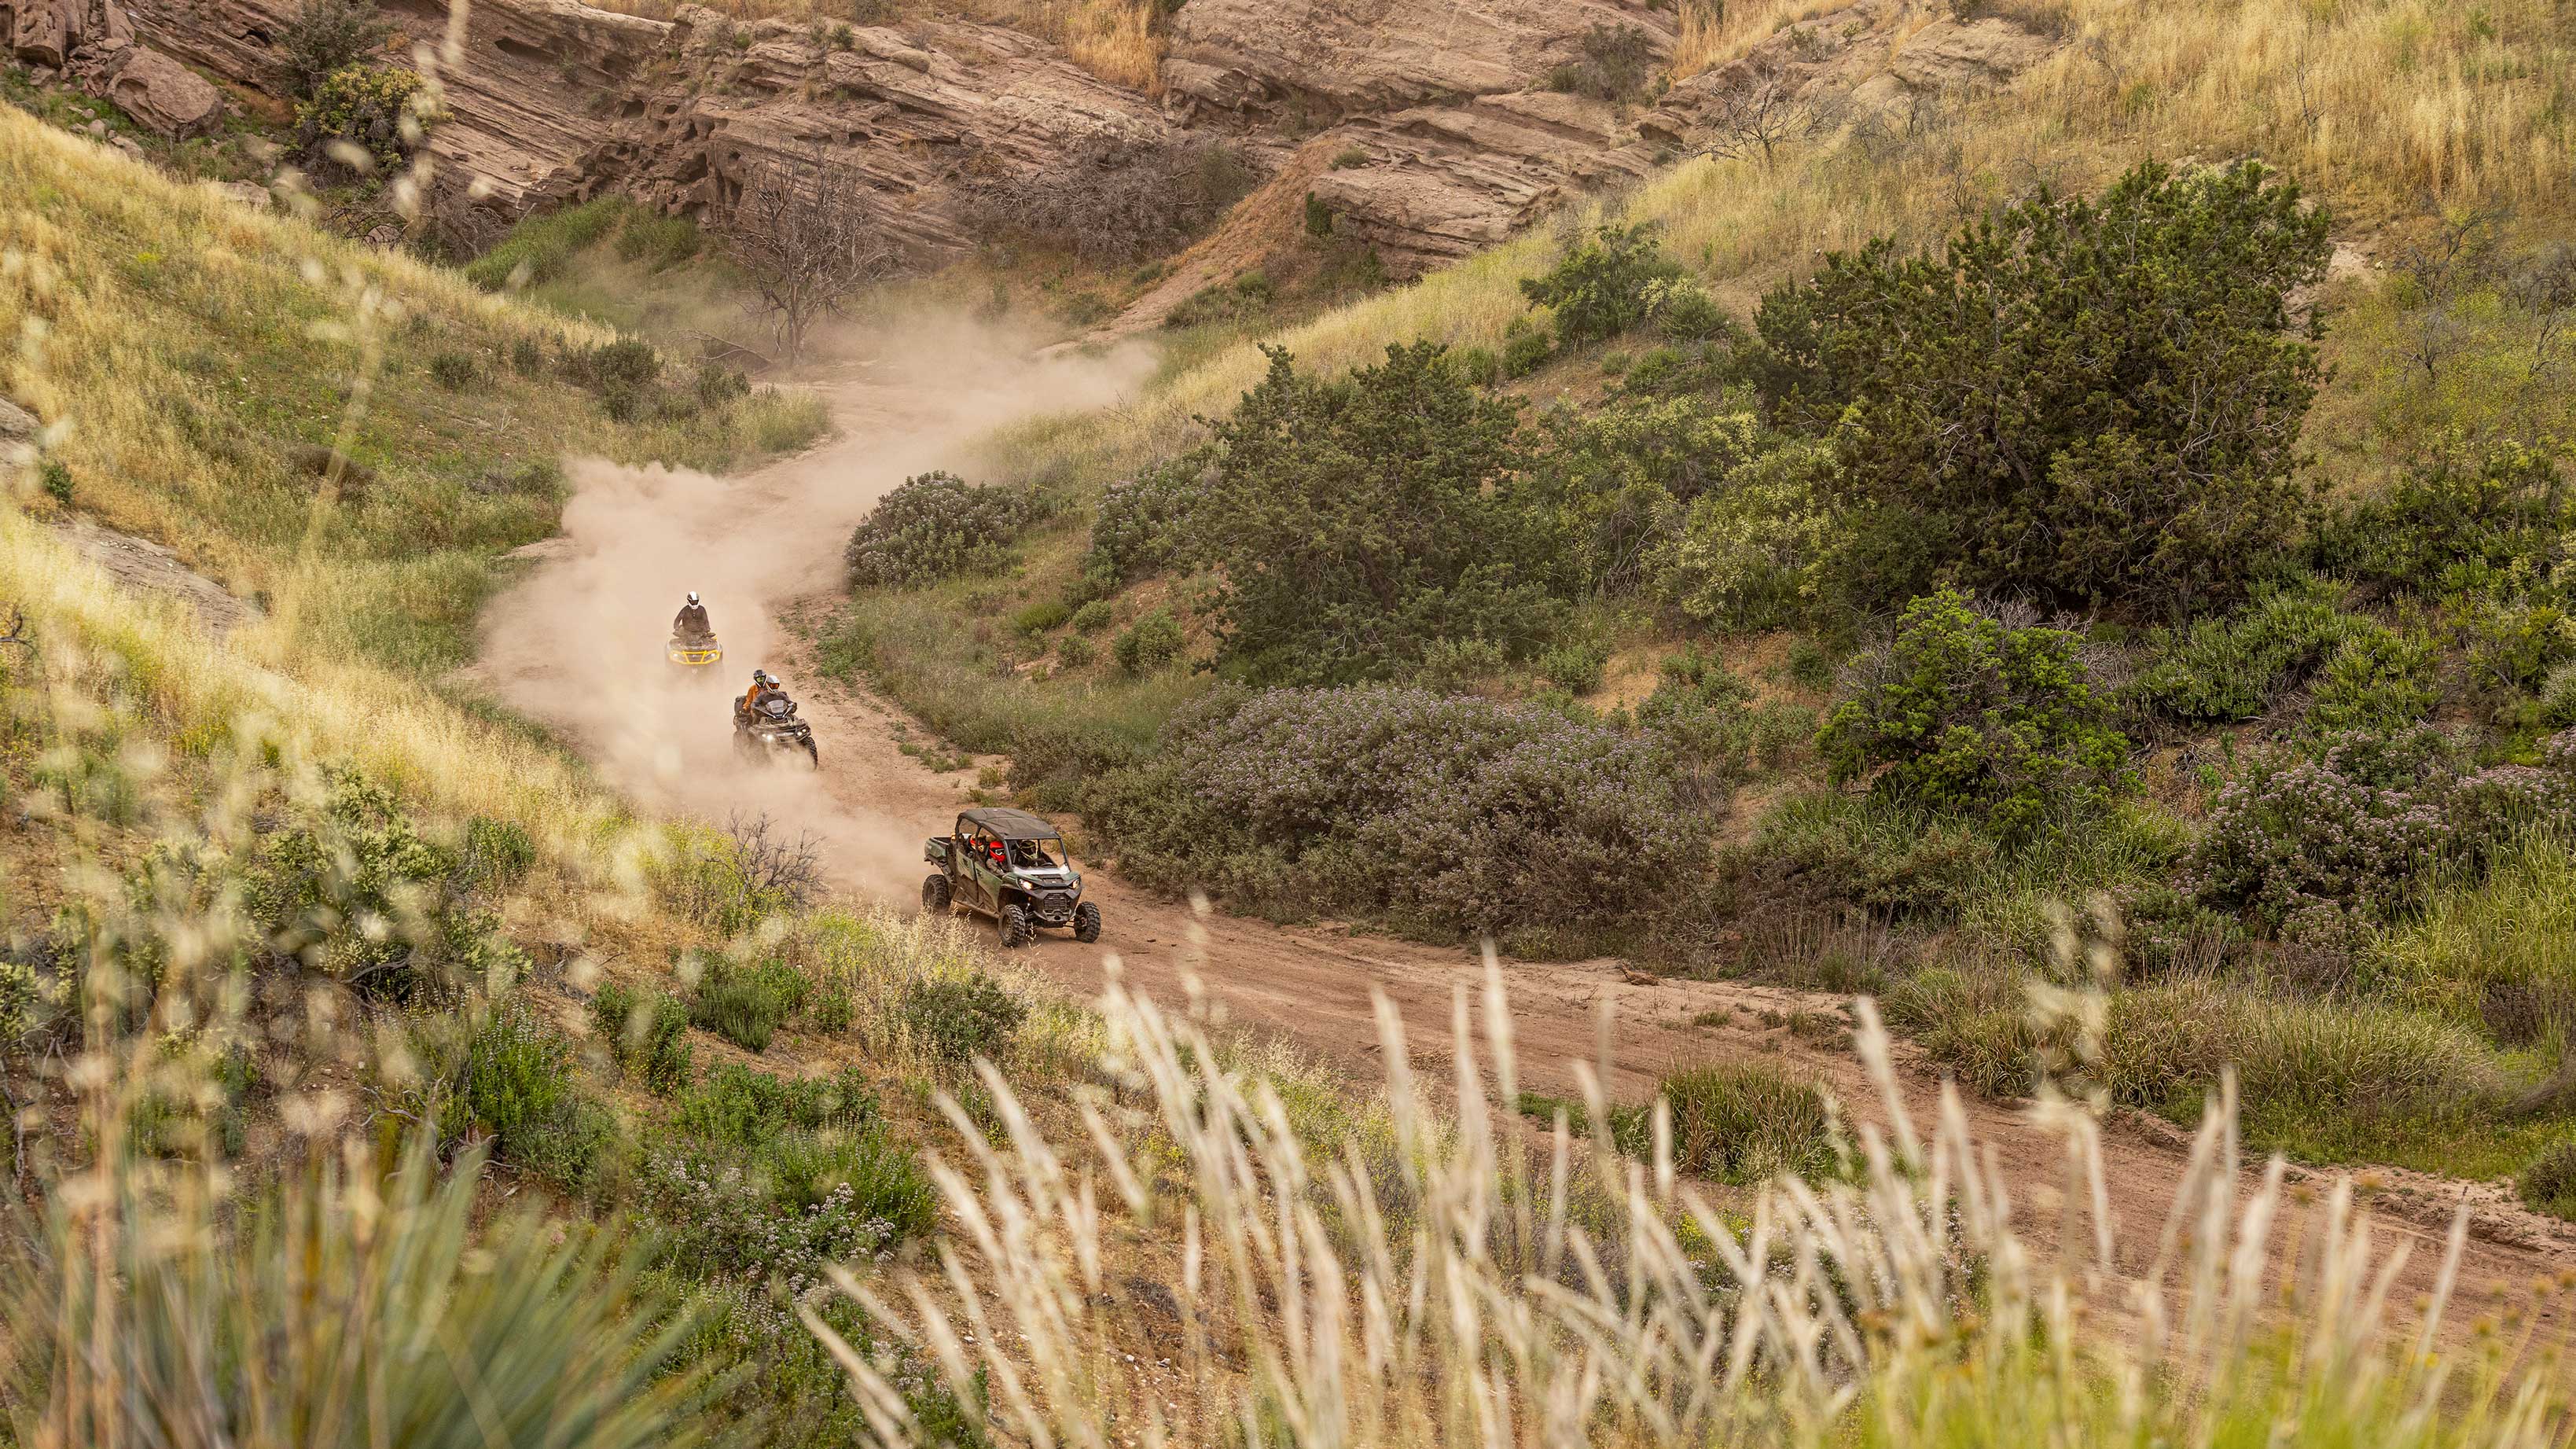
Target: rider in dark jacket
[691, 621]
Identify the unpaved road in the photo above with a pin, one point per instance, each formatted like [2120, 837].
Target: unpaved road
[773, 537]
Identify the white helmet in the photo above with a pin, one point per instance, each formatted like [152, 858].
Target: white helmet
[693, 596]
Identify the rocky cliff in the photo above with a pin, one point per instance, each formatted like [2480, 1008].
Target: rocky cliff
[1448, 126]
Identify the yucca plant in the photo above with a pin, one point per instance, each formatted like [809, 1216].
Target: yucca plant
[349, 1305]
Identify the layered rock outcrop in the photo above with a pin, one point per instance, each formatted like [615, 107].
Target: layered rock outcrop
[92, 42]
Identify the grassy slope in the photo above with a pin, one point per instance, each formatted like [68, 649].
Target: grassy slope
[2391, 112]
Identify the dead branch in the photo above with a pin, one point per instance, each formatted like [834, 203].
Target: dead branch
[807, 236]
[767, 861]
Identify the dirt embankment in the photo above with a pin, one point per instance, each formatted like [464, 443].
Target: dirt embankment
[578, 643]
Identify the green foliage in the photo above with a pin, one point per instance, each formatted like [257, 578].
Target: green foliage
[2134, 385]
[647, 1034]
[1575, 668]
[2486, 519]
[661, 242]
[1142, 525]
[325, 37]
[1601, 287]
[2231, 669]
[362, 106]
[1527, 345]
[1706, 721]
[1755, 552]
[1616, 478]
[1093, 617]
[521, 1085]
[2380, 679]
[937, 525]
[1738, 1122]
[55, 477]
[1074, 651]
[496, 854]
[1355, 520]
[1970, 714]
[1148, 644]
[954, 1019]
[456, 371]
[359, 858]
[736, 1106]
[2549, 1184]
[1247, 296]
[2558, 695]
[541, 246]
[297, 1313]
[746, 1004]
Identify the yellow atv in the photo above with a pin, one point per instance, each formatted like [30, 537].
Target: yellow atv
[694, 656]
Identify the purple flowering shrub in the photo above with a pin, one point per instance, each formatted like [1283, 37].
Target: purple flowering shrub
[2318, 850]
[1456, 813]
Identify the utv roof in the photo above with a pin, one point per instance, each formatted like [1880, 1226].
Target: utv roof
[1012, 824]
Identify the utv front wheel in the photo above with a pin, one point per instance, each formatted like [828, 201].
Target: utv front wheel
[1086, 923]
[1014, 924]
[934, 895]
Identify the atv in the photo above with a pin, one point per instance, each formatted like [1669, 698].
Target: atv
[1008, 865]
[772, 729]
[698, 654]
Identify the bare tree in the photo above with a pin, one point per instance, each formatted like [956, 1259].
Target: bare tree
[1764, 109]
[2545, 287]
[2445, 263]
[768, 863]
[18, 631]
[807, 237]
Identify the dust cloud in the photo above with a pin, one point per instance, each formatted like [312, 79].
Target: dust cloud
[578, 643]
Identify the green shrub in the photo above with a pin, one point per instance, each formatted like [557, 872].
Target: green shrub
[1042, 616]
[2378, 680]
[953, 1020]
[455, 371]
[661, 242]
[2548, 1184]
[495, 853]
[1755, 551]
[1970, 714]
[1615, 477]
[2124, 453]
[937, 525]
[2558, 695]
[1599, 289]
[736, 1106]
[1739, 1122]
[1095, 616]
[527, 356]
[1148, 644]
[1142, 525]
[647, 1035]
[521, 1085]
[1575, 668]
[1073, 651]
[324, 37]
[1247, 296]
[1480, 365]
[1354, 520]
[2468, 519]
[2232, 669]
[1527, 345]
[369, 108]
[746, 1004]
[1976, 1023]
[55, 478]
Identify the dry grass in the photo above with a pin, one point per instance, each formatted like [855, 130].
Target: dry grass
[1712, 33]
[1454, 1284]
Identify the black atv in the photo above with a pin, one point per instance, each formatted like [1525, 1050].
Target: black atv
[769, 729]
[1011, 866]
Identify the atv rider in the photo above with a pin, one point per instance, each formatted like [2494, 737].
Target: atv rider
[764, 686]
[691, 622]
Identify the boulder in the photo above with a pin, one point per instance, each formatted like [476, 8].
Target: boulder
[17, 425]
[42, 32]
[1347, 56]
[164, 95]
[247, 193]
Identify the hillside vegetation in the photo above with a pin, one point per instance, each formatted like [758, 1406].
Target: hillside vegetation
[1834, 573]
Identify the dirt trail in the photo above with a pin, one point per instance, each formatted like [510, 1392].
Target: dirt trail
[566, 642]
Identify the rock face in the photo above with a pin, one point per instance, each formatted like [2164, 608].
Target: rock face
[907, 110]
[1464, 143]
[93, 42]
[1443, 131]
